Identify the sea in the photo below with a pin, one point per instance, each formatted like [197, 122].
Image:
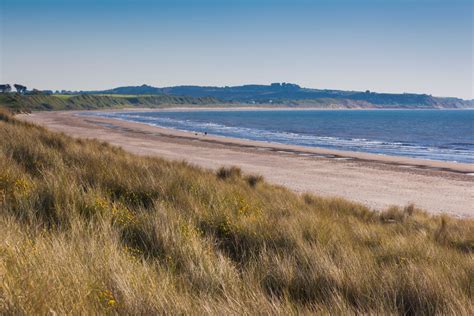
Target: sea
[445, 135]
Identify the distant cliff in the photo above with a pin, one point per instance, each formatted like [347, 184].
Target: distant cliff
[27, 103]
[258, 95]
[294, 95]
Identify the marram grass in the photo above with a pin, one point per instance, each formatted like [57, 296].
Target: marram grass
[87, 228]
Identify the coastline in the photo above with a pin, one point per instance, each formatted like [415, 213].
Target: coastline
[460, 167]
[375, 180]
[266, 107]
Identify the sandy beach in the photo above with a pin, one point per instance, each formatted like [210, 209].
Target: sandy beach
[374, 180]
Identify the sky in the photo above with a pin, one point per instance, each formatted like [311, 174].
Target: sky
[423, 46]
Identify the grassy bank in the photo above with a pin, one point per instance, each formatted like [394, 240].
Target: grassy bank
[26, 103]
[88, 228]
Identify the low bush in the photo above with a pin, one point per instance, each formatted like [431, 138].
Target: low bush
[225, 173]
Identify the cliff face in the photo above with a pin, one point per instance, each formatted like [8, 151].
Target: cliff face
[275, 94]
[292, 94]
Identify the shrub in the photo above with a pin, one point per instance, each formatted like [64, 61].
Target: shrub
[225, 173]
[253, 180]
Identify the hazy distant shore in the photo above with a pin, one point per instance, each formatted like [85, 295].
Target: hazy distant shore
[375, 180]
[270, 107]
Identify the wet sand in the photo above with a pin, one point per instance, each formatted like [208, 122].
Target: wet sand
[375, 180]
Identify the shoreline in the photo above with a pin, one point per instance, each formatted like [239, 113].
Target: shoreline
[265, 107]
[375, 180]
[460, 167]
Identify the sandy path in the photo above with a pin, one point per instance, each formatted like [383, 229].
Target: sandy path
[370, 179]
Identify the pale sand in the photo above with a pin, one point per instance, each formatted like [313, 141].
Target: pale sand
[375, 180]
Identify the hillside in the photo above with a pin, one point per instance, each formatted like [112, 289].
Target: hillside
[292, 94]
[88, 228]
[26, 103]
[275, 94]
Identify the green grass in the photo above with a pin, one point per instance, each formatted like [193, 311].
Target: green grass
[125, 95]
[64, 96]
[67, 96]
[87, 228]
[26, 103]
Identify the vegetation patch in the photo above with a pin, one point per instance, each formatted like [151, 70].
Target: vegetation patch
[88, 228]
[26, 103]
[225, 173]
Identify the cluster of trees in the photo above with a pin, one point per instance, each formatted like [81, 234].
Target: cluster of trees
[285, 85]
[4, 88]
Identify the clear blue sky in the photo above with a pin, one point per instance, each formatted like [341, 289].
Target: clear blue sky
[423, 46]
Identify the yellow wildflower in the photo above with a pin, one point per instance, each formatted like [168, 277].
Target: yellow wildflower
[123, 216]
[107, 298]
[133, 253]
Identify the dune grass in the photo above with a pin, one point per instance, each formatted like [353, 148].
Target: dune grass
[87, 228]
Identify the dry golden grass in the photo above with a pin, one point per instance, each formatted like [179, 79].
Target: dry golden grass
[87, 228]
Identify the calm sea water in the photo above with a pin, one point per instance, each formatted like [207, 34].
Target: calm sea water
[429, 134]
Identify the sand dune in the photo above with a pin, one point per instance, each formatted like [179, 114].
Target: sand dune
[375, 180]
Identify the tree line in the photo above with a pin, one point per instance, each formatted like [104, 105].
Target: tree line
[4, 88]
